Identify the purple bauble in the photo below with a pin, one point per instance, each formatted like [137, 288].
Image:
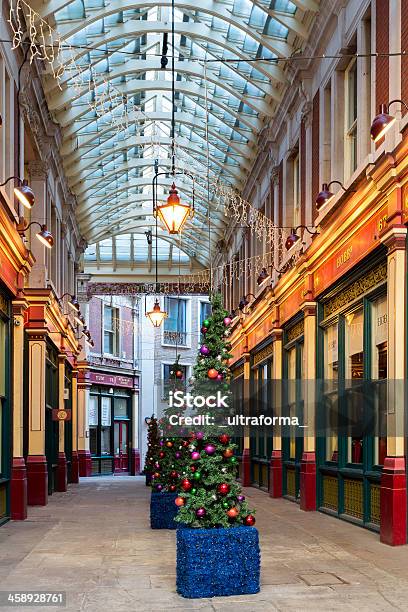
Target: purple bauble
[227, 321]
[157, 465]
[177, 455]
[161, 442]
[159, 487]
[210, 449]
[219, 377]
[200, 512]
[199, 435]
[195, 455]
[241, 498]
[204, 350]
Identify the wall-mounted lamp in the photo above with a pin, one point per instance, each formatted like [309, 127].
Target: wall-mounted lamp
[245, 301]
[43, 235]
[79, 320]
[263, 276]
[383, 121]
[72, 302]
[294, 237]
[22, 191]
[149, 237]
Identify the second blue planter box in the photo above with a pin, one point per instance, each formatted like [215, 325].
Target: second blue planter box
[163, 510]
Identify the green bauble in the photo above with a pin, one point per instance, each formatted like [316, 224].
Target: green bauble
[206, 323]
[193, 491]
[197, 475]
[225, 504]
[233, 459]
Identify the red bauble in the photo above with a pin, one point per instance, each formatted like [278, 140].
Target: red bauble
[228, 453]
[212, 373]
[161, 454]
[249, 520]
[186, 484]
[232, 513]
[174, 474]
[156, 475]
[169, 444]
[204, 330]
[179, 374]
[224, 439]
[223, 488]
[193, 468]
[179, 501]
[172, 488]
[185, 443]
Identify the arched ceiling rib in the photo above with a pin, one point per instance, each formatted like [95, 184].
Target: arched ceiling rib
[116, 127]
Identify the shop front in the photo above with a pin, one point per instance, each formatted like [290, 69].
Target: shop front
[352, 365]
[261, 436]
[113, 415]
[5, 405]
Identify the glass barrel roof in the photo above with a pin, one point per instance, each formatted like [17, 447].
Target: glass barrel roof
[114, 105]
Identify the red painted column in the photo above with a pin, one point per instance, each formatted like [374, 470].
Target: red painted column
[37, 480]
[85, 463]
[246, 468]
[74, 467]
[275, 474]
[62, 475]
[134, 462]
[308, 481]
[393, 502]
[18, 490]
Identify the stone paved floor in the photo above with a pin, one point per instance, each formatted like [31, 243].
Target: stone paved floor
[95, 543]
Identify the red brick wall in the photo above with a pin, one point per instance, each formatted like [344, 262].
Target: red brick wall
[404, 59]
[382, 46]
[127, 331]
[315, 149]
[95, 323]
[302, 171]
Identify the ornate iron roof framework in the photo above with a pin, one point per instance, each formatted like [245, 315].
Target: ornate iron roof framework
[117, 45]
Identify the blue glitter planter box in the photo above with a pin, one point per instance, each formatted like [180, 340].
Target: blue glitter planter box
[217, 562]
[163, 510]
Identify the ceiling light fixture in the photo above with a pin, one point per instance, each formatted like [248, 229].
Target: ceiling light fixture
[174, 213]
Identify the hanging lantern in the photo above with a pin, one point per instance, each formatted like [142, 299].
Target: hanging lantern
[174, 214]
[157, 315]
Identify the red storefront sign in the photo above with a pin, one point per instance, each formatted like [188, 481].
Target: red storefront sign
[60, 414]
[365, 240]
[112, 380]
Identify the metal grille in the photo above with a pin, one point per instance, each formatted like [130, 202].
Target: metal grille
[291, 482]
[106, 466]
[330, 492]
[375, 504]
[353, 498]
[95, 466]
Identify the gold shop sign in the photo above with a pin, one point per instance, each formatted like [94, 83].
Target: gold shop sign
[4, 305]
[263, 354]
[369, 281]
[296, 331]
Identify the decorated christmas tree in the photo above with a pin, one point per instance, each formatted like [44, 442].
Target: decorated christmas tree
[153, 447]
[209, 494]
[173, 452]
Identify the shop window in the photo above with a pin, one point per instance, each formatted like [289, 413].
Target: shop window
[3, 370]
[351, 118]
[110, 330]
[120, 407]
[354, 355]
[379, 345]
[331, 368]
[93, 415]
[296, 191]
[106, 412]
[205, 311]
[292, 399]
[175, 326]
